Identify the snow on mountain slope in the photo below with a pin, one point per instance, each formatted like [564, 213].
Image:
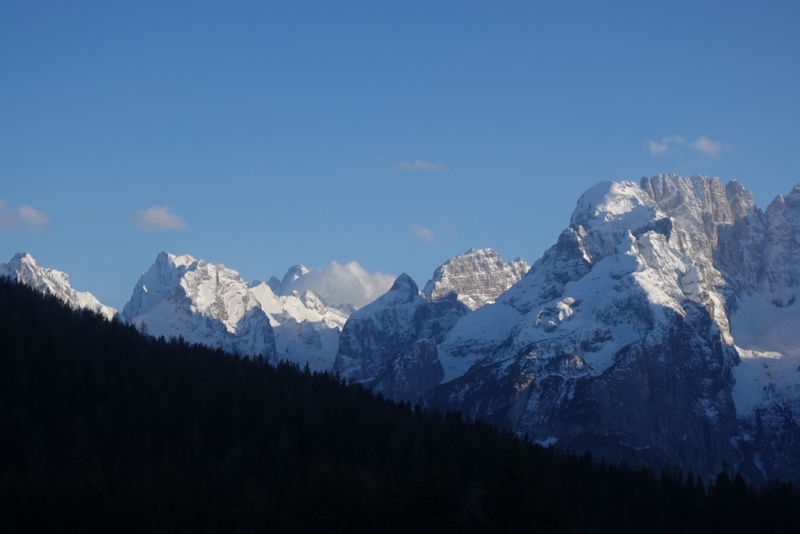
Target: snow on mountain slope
[387, 345]
[211, 304]
[205, 303]
[23, 268]
[390, 344]
[306, 328]
[619, 339]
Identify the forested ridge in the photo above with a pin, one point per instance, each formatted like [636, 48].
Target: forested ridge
[105, 429]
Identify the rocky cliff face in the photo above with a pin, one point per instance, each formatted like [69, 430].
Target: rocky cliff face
[476, 277]
[23, 268]
[306, 328]
[210, 304]
[391, 344]
[387, 345]
[661, 329]
[202, 302]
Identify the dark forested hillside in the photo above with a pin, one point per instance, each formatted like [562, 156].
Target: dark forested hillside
[104, 429]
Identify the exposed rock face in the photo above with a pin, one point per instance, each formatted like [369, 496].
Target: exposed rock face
[203, 302]
[386, 345]
[476, 277]
[661, 329]
[283, 287]
[306, 328]
[23, 268]
[210, 304]
[390, 345]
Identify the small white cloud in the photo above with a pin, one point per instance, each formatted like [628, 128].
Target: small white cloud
[423, 233]
[449, 228]
[672, 143]
[158, 218]
[33, 217]
[420, 165]
[706, 146]
[666, 143]
[341, 284]
[23, 216]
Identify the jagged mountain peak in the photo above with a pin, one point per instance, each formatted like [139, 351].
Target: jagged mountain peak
[404, 284]
[475, 278]
[203, 302]
[293, 273]
[210, 303]
[390, 344]
[607, 201]
[273, 283]
[25, 269]
[165, 258]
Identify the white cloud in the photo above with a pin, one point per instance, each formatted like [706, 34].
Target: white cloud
[419, 165]
[706, 146]
[33, 217]
[23, 216]
[450, 229]
[158, 218]
[666, 143]
[344, 284]
[703, 145]
[423, 233]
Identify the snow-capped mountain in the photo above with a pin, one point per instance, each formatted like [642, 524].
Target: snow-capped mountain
[23, 268]
[211, 304]
[390, 344]
[661, 328]
[306, 328]
[284, 286]
[203, 302]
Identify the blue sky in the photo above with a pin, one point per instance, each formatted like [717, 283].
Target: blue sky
[396, 135]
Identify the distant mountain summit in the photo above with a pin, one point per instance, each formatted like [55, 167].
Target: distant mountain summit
[23, 268]
[476, 277]
[306, 328]
[211, 304]
[390, 344]
[202, 302]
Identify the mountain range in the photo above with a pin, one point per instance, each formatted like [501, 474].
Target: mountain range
[660, 329]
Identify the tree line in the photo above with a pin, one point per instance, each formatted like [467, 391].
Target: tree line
[105, 429]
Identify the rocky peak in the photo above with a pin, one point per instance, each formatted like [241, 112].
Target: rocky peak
[740, 200]
[294, 273]
[203, 302]
[404, 288]
[475, 278]
[157, 283]
[25, 269]
[387, 345]
[781, 272]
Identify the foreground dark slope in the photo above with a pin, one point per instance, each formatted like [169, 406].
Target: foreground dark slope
[103, 429]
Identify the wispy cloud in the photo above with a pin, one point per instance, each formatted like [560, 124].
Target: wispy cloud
[665, 145]
[706, 146]
[449, 228]
[419, 165]
[702, 145]
[344, 284]
[158, 218]
[423, 233]
[22, 217]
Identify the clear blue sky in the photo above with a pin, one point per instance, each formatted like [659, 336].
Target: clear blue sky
[396, 135]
